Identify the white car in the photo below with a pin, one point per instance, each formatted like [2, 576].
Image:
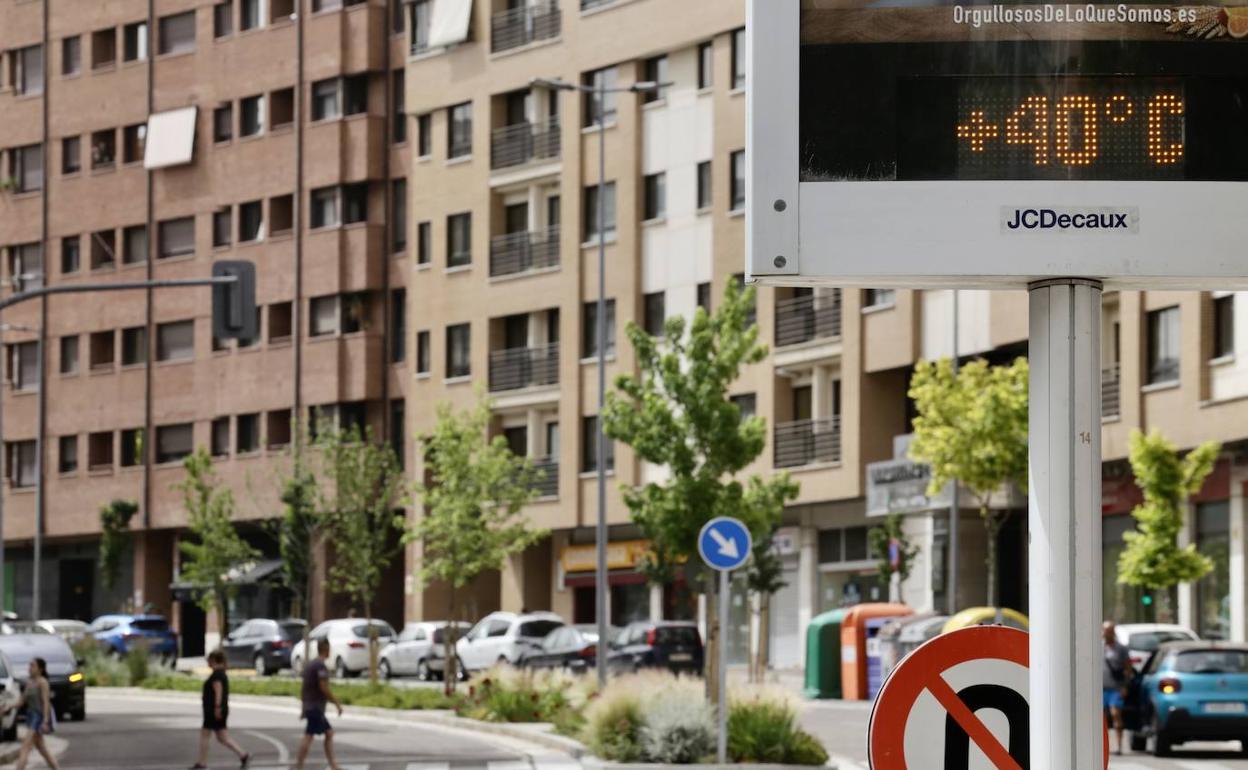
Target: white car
[504, 637]
[72, 631]
[420, 650]
[348, 645]
[1143, 639]
[10, 696]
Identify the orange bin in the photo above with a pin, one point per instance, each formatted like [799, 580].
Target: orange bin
[862, 622]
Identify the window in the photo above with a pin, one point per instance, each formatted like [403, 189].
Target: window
[705, 201]
[134, 245]
[103, 148]
[737, 187]
[458, 351]
[589, 447]
[67, 454]
[134, 41]
[398, 422]
[223, 123]
[221, 227]
[738, 59]
[177, 33]
[398, 326]
[281, 108]
[421, 13]
[223, 19]
[177, 237]
[423, 354]
[747, 403]
[251, 115]
[26, 168]
[355, 203]
[174, 442]
[397, 111]
[69, 354]
[26, 266]
[21, 463]
[336, 97]
[26, 70]
[24, 365]
[247, 434]
[704, 296]
[132, 452]
[706, 65]
[460, 134]
[251, 342]
[281, 214]
[250, 221]
[103, 253]
[459, 240]
[655, 204]
[424, 139]
[103, 350]
[323, 316]
[221, 437]
[1163, 345]
[589, 329]
[100, 451]
[277, 429]
[251, 14]
[325, 207]
[134, 139]
[71, 254]
[655, 72]
[281, 321]
[592, 214]
[175, 341]
[71, 55]
[1224, 326]
[424, 243]
[879, 298]
[103, 48]
[398, 216]
[134, 346]
[71, 155]
[606, 112]
[654, 313]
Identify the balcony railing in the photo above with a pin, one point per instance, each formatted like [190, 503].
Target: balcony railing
[524, 368]
[516, 253]
[524, 25]
[1111, 391]
[806, 442]
[547, 483]
[807, 318]
[524, 142]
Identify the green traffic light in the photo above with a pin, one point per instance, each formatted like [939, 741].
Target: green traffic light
[1147, 599]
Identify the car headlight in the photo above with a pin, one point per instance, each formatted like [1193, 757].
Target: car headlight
[75, 677]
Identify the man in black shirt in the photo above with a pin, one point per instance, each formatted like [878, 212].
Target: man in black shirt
[315, 696]
[217, 713]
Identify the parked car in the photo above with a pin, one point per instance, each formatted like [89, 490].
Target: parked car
[117, 633]
[10, 697]
[504, 637]
[673, 645]
[72, 631]
[348, 645]
[572, 648]
[1192, 691]
[263, 644]
[420, 650]
[1143, 639]
[69, 688]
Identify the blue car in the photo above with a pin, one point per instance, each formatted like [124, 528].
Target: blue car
[118, 633]
[1192, 691]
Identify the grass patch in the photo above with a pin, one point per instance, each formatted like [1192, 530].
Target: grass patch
[367, 695]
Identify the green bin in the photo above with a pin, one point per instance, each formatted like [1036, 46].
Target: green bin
[823, 656]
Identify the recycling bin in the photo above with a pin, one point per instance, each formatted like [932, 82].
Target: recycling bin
[893, 636]
[823, 656]
[861, 623]
[987, 616]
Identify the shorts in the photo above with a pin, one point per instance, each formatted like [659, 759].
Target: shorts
[317, 723]
[1111, 698]
[214, 724]
[35, 721]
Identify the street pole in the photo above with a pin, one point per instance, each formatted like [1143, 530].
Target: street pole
[37, 609]
[601, 577]
[3, 491]
[1064, 569]
[722, 751]
[954, 514]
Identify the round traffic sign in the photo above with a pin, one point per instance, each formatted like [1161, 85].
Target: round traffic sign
[724, 543]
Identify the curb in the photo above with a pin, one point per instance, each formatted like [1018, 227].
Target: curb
[594, 763]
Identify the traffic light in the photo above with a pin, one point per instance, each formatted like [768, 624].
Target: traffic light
[1147, 600]
[234, 303]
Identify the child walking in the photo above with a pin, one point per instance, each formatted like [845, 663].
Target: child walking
[217, 713]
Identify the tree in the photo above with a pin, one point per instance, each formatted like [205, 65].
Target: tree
[882, 539]
[474, 498]
[677, 414]
[361, 487]
[1152, 558]
[215, 547]
[972, 427]
[764, 578]
[298, 536]
[115, 538]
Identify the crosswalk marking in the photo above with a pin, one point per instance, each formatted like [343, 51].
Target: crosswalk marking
[428, 766]
[1192, 765]
[1116, 765]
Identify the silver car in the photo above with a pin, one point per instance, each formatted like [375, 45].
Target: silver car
[419, 651]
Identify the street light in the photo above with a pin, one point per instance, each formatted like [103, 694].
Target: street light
[600, 92]
[38, 455]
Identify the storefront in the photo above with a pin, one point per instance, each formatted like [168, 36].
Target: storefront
[630, 597]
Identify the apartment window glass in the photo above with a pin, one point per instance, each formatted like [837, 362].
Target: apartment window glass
[421, 13]
[177, 237]
[67, 454]
[26, 168]
[251, 115]
[26, 70]
[423, 353]
[592, 213]
[424, 140]
[22, 463]
[325, 99]
[71, 254]
[100, 451]
[251, 14]
[460, 131]
[221, 437]
[281, 321]
[103, 148]
[398, 216]
[1213, 591]
[134, 41]
[281, 108]
[1163, 345]
[706, 65]
[24, 365]
[323, 316]
[134, 141]
[247, 434]
[132, 448]
[221, 227]
[223, 123]
[71, 155]
[656, 72]
[747, 403]
[705, 199]
[174, 442]
[281, 215]
[103, 350]
[459, 240]
[134, 346]
[248, 342]
[175, 341]
[737, 188]
[223, 19]
[26, 265]
[589, 446]
[397, 110]
[458, 351]
[605, 110]
[134, 245]
[704, 296]
[325, 207]
[654, 313]
[424, 243]
[355, 94]
[71, 55]
[354, 312]
[250, 221]
[69, 354]
[355, 203]
[398, 326]
[177, 33]
[589, 328]
[879, 298]
[1224, 326]
[655, 204]
[738, 59]
[103, 48]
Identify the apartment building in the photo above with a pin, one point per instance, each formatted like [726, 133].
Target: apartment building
[143, 140]
[503, 281]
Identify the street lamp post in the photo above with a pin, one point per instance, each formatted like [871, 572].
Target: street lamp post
[39, 447]
[599, 91]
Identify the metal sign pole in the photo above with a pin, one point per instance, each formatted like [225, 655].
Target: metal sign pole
[1064, 522]
[722, 753]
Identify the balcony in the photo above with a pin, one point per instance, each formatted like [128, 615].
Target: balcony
[547, 483]
[524, 252]
[1111, 392]
[807, 442]
[524, 368]
[807, 318]
[521, 26]
[523, 143]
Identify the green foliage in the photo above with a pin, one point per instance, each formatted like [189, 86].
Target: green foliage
[507, 694]
[214, 546]
[1152, 558]
[351, 694]
[114, 538]
[298, 532]
[880, 538]
[138, 662]
[99, 668]
[763, 729]
[805, 749]
[613, 725]
[678, 727]
[766, 572]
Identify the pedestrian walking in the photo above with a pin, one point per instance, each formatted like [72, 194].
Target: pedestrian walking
[217, 713]
[316, 695]
[39, 715]
[1116, 673]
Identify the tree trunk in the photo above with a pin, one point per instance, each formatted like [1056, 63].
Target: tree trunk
[764, 638]
[450, 665]
[372, 643]
[992, 526]
[710, 663]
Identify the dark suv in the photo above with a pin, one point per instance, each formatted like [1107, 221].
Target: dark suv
[69, 689]
[673, 645]
[262, 644]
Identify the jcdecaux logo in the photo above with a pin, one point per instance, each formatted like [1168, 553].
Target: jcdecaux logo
[1019, 219]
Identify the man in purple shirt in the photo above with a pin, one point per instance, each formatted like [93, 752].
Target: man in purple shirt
[316, 695]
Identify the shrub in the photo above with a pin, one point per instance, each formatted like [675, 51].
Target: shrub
[678, 727]
[762, 728]
[613, 724]
[507, 694]
[805, 749]
[368, 695]
[101, 670]
[138, 663]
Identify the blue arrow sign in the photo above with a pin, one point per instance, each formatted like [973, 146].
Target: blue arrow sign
[724, 543]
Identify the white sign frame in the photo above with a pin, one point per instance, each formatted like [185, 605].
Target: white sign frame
[950, 234]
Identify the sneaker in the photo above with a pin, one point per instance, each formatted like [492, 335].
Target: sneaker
[245, 762]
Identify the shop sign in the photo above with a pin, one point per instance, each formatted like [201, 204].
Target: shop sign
[626, 554]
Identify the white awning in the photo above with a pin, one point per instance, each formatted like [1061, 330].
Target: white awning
[170, 138]
[451, 19]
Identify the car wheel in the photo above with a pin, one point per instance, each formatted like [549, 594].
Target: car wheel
[422, 671]
[296, 665]
[502, 661]
[1139, 742]
[461, 673]
[78, 715]
[9, 734]
[383, 669]
[1162, 742]
[340, 669]
[261, 665]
